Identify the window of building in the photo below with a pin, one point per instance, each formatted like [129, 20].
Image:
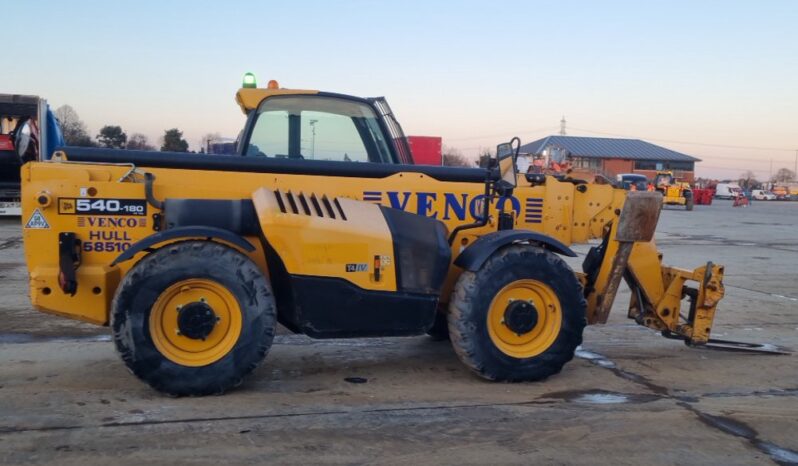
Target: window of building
[663, 165]
[588, 163]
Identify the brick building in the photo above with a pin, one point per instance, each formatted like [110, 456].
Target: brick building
[611, 156]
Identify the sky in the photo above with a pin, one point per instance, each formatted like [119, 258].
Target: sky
[713, 79]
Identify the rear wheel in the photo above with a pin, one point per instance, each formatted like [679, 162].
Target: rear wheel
[193, 318]
[519, 317]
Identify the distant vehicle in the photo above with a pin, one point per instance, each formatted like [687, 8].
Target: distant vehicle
[762, 195]
[728, 191]
[674, 192]
[786, 191]
[20, 143]
[632, 181]
[221, 146]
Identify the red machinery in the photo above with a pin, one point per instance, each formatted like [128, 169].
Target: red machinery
[703, 196]
[426, 150]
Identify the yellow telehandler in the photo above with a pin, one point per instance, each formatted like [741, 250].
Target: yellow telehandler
[674, 192]
[321, 224]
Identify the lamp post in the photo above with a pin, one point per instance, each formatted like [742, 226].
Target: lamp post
[313, 139]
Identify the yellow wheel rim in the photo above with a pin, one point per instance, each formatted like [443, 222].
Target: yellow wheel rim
[544, 332]
[195, 352]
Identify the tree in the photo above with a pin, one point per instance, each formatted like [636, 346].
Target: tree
[748, 180]
[484, 158]
[452, 157]
[139, 141]
[112, 137]
[73, 129]
[173, 141]
[784, 175]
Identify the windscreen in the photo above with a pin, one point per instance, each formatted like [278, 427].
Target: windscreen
[318, 128]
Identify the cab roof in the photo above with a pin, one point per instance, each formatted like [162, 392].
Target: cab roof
[250, 98]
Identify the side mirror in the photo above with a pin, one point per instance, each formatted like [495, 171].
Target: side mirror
[505, 156]
[22, 140]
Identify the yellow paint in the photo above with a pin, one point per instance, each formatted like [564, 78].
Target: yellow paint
[311, 245]
[323, 246]
[195, 352]
[250, 98]
[542, 335]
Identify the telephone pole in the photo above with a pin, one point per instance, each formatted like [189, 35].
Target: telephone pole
[313, 141]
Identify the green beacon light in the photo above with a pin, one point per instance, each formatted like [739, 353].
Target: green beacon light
[249, 81]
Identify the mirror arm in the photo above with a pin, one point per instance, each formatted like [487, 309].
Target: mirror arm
[485, 210]
[517, 142]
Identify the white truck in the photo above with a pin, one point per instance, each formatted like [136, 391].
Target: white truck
[728, 191]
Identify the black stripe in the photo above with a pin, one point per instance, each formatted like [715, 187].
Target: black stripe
[249, 164]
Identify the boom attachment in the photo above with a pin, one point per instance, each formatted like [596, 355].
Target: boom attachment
[628, 251]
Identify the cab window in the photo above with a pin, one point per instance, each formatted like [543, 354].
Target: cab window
[318, 128]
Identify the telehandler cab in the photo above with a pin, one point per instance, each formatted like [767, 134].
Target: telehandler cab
[320, 224]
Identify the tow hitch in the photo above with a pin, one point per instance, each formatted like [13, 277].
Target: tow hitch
[68, 262]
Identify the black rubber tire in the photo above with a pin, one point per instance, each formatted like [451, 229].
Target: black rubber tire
[474, 291]
[440, 329]
[152, 275]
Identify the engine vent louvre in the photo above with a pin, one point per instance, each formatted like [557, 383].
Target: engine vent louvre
[327, 206]
[340, 210]
[280, 201]
[312, 206]
[316, 206]
[292, 202]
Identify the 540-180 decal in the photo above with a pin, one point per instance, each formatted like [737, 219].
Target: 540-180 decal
[78, 206]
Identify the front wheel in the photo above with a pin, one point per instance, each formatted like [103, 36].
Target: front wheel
[193, 318]
[519, 317]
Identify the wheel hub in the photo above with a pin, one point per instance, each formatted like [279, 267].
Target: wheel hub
[196, 320]
[520, 317]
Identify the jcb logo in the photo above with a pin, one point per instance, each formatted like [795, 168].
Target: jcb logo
[66, 206]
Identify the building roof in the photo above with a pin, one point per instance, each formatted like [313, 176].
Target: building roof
[605, 148]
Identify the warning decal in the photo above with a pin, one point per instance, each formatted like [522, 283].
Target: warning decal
[37, 221]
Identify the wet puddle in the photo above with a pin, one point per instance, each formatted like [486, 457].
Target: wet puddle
[780, 455]
[604, 362]
[10, 243]
[595, 358]
[11, 265]
[11, 338]
[601, 397]
[303, 340]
